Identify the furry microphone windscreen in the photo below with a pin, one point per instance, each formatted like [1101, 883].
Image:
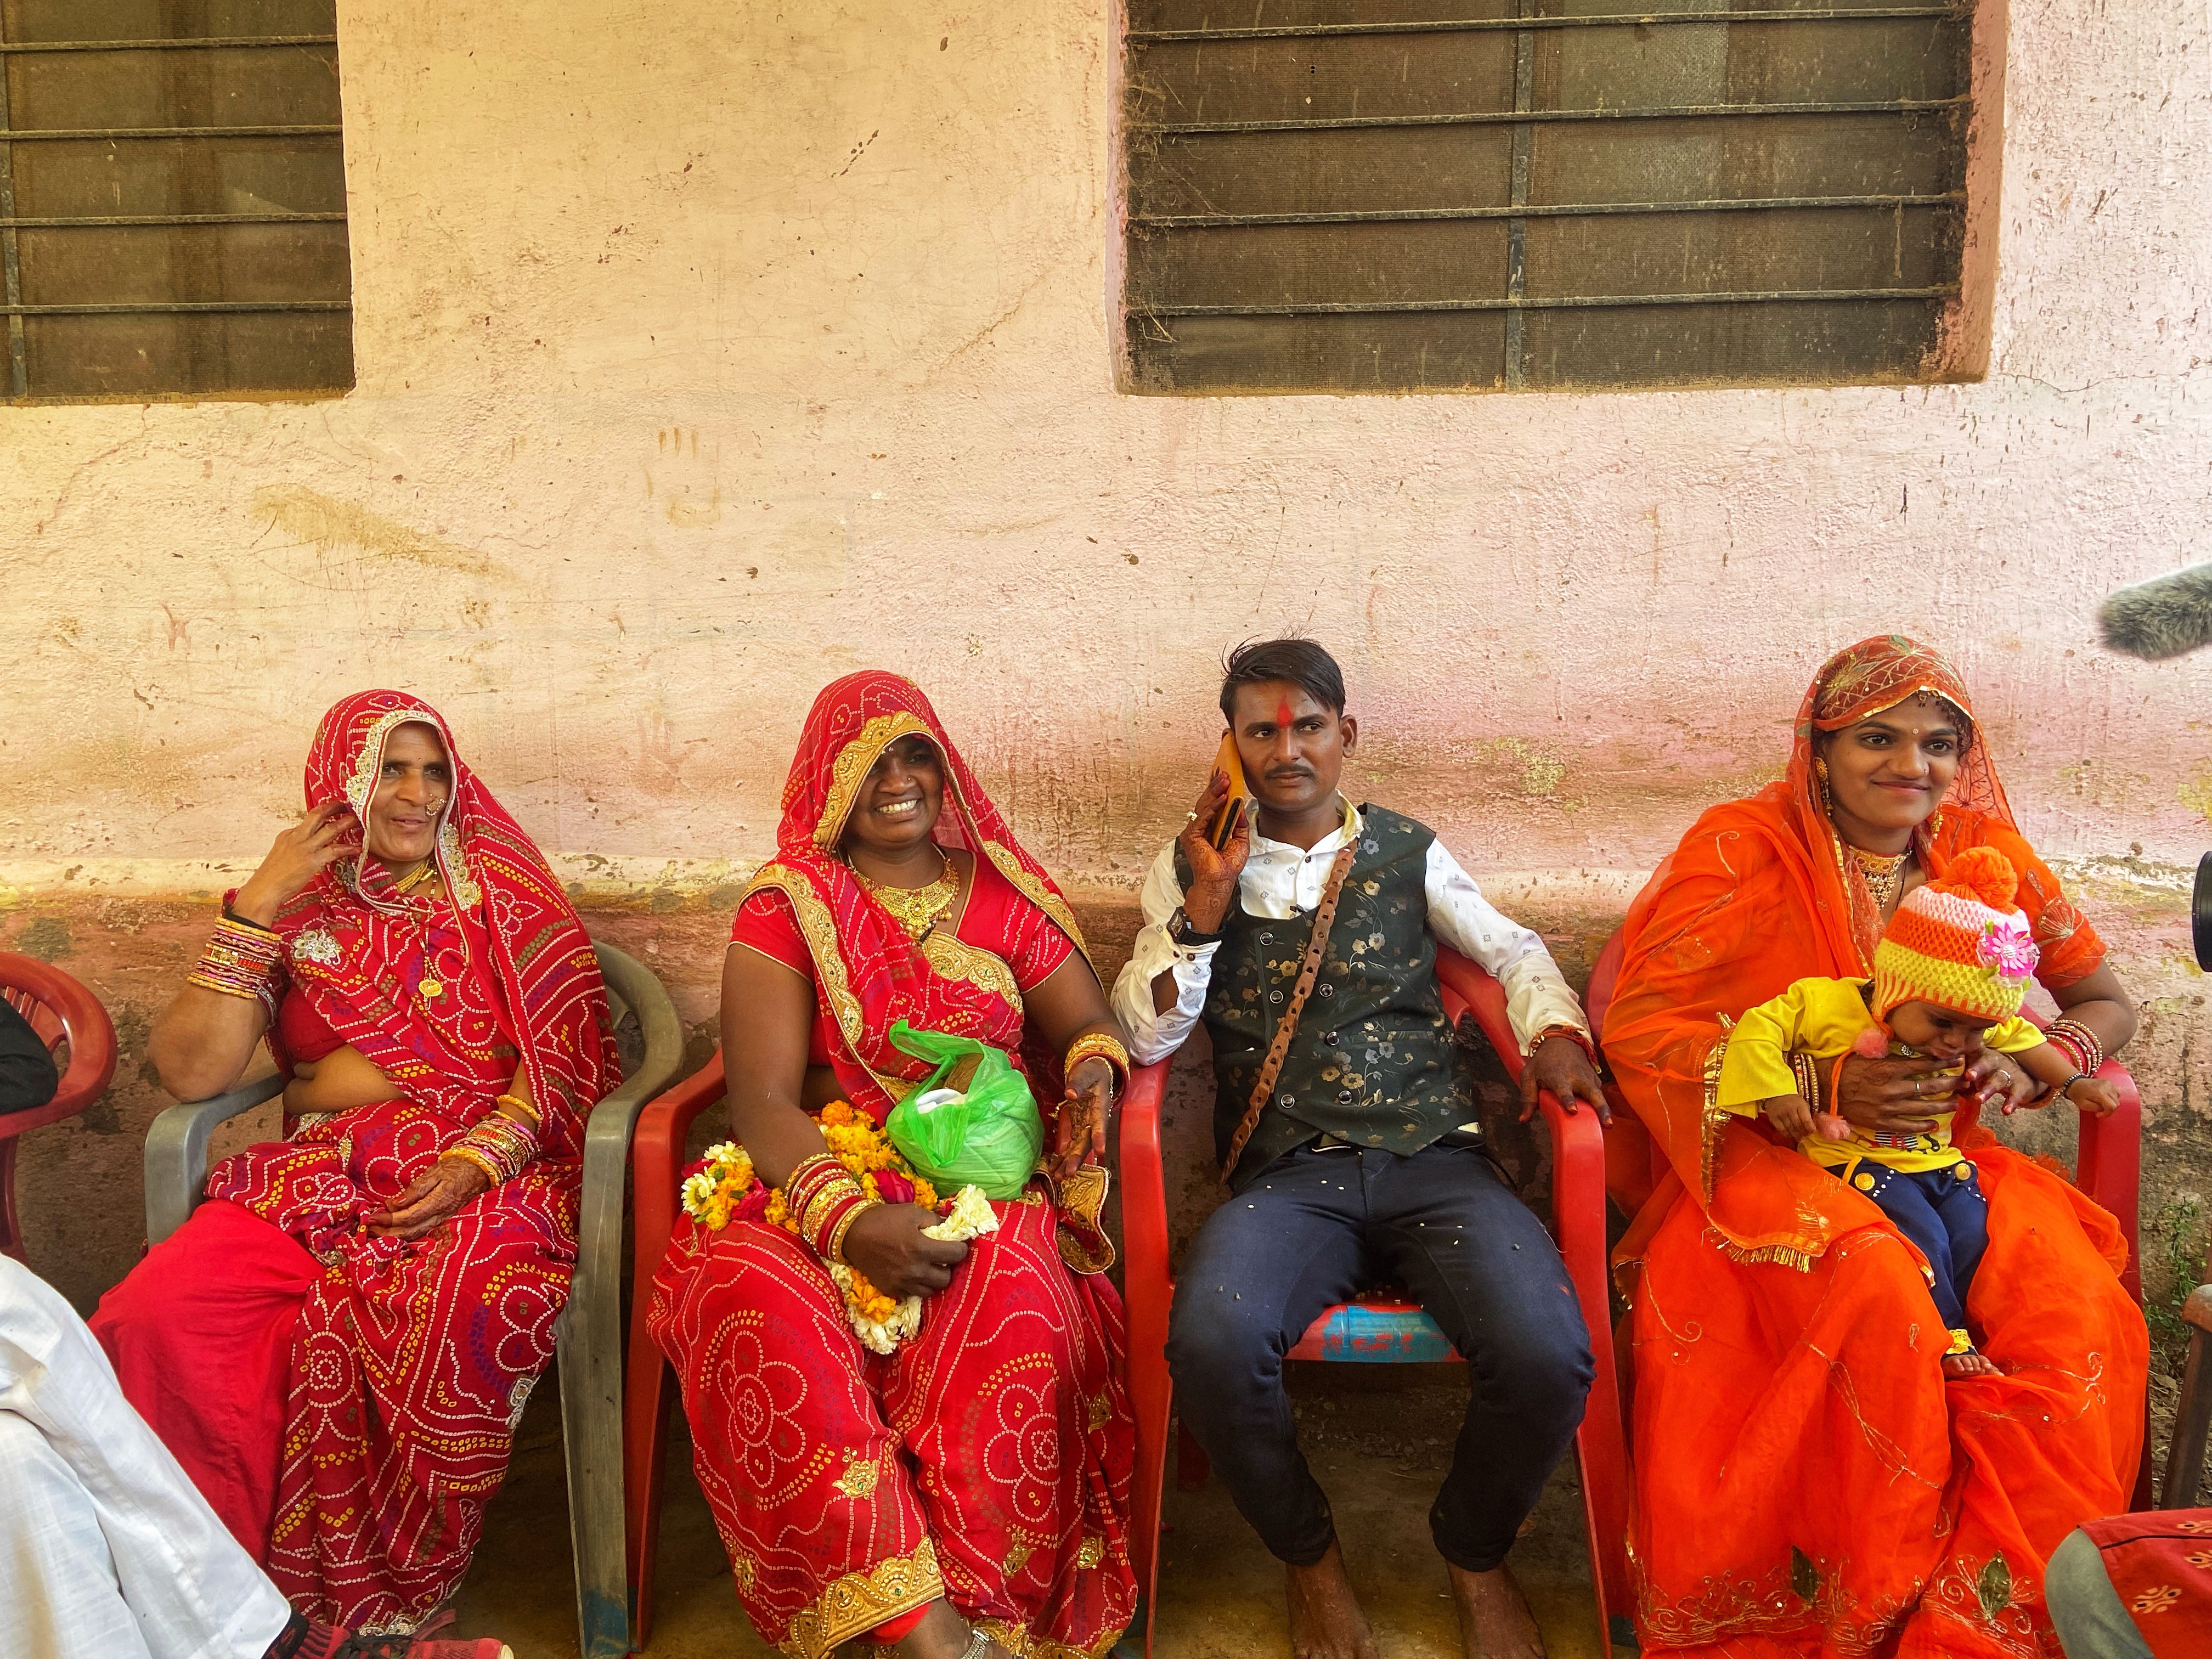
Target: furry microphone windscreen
[2163, 617]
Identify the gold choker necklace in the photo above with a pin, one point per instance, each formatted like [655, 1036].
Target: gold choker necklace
[415, 878]
[918, 908]
[1884, 872]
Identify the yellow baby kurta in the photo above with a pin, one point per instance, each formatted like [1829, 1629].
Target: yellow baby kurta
[1824, 1017]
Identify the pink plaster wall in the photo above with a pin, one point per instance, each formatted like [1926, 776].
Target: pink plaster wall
[707, 350]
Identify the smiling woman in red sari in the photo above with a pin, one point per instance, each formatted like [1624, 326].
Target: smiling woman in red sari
[337, 1345]
[1809, 1483]
[967, 1494]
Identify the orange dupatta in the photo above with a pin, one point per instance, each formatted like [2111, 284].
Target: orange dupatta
[1760, 894]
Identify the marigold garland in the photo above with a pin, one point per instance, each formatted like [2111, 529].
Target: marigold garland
[725, 1189]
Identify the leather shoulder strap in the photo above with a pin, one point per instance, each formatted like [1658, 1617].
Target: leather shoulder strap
[1309, 971]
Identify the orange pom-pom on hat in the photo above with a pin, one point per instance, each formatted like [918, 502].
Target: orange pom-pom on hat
[1960, 943]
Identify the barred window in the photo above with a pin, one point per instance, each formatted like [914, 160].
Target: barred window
[172, 199]
[1469, 195]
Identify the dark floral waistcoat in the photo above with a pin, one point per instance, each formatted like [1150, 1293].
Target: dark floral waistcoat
[1373, 1061]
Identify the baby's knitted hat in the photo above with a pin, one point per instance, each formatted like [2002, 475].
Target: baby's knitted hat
[1958, 943]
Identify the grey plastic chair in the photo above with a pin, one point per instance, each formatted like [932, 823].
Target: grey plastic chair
[589, 1337]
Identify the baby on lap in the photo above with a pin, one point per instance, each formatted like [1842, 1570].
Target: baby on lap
[1948, 977]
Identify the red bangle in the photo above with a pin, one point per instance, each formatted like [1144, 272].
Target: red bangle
[1575, 1035]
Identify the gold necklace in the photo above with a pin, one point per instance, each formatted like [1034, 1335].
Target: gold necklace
[415, 877]
[1884, 872]
[917, 908]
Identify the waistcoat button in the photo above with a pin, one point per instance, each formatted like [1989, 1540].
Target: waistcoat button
[1330, 1037]
[1344, 1097]
[1326, 990]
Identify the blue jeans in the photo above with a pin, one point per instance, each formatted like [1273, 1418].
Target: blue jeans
[1942, 1211]
[1316, 1227]
[2091, 1621]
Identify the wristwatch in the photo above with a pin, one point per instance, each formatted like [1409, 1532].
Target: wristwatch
[1186, 933]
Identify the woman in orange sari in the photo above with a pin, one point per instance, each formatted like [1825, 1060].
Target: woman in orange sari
[1808, 1482]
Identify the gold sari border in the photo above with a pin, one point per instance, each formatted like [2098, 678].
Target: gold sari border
[819, 929]
[1017, 1641]
[1780, 1255]
[856, 1603]
[851, 767]
[1711, 1118]
[1039, 895]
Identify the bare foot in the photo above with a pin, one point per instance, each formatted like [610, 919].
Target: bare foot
[942, 1634]
[1969, 1364]
[1326, 1622]
[1494, 1620]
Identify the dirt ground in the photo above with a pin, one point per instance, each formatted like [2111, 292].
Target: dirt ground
[1379, 1439]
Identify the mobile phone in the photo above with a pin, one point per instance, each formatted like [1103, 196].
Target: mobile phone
[1239, 801]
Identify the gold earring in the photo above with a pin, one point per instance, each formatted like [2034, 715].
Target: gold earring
[1820, 768]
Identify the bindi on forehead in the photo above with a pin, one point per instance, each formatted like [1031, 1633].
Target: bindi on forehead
[1283, 717]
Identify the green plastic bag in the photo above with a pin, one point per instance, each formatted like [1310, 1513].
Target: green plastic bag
[982, 1129]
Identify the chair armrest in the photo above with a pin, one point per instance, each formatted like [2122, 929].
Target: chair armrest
[656, 1163]
[64, 1001]
[607, 1131]
[2198, 1309]
[1143, 1178]
[595, 1299]
[1486, 1000]
[1578, 1213]
[177, 1148]
[2108, 1165]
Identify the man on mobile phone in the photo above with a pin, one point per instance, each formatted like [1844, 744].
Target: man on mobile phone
[1344, 1126]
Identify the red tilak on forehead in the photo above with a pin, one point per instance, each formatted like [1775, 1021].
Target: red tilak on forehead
[1282, 712]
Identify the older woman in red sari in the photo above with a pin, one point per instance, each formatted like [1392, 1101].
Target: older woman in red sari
[1808, 1481]
[967, 1494]
[337, 1345]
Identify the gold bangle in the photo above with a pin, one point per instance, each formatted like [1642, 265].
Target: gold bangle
[817, 1204]
[471, 1155]
[1100, 1045]
[220, 988]
[836, 1240]
[522, 1105]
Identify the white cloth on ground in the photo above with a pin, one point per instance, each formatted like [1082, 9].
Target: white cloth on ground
[107, 1551]
[1281, 880]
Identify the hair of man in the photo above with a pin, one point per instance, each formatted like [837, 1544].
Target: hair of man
[1299, 662]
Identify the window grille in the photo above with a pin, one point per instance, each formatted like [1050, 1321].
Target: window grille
[172, 199]
[1466, 194]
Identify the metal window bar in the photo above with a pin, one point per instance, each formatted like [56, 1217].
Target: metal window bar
[28, 135]
[12, 267]
[1533, 211]
[1562, 302]
[15, 310]
[168, 44]
[1478, 25]
[1516, 228]
[135, 308]
[113, 220]
[1506, 117]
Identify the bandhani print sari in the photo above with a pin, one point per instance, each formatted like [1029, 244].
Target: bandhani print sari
[987, 1460]
[1808, 1482]
[347, 1401]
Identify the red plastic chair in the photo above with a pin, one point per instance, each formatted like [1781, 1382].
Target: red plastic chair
[60, 1009]
[1373, 1329]
[649, 1389]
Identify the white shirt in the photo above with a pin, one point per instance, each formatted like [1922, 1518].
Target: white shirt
[1281, 881]
[107, 1549]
